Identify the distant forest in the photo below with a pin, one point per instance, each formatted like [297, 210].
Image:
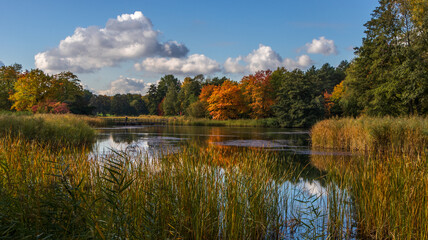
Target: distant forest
[387, 77]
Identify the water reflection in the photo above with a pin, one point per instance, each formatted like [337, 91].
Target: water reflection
[289, 144]
[166, 136]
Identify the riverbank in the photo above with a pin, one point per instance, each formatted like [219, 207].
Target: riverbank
[183, 120]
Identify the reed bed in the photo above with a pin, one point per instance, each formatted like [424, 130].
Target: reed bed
[389, 193]
[387, 176]
[405, 135]
[54, 130]
[90, 120]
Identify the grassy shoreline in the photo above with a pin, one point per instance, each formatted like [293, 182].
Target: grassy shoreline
[54, 130]
[183, 120]
[406, 135]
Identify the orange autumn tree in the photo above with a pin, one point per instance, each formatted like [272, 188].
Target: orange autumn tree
[259, 93]
[206, 93]
[328, 103]
[202, 104]
[226, 101]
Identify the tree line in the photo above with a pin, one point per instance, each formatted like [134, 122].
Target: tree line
[295, 98]
[388, 76]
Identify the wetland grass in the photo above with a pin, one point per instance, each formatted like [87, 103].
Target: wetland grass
[389, 195]
[388, 175]
[402, 135]
[197, 193]
[189, 121]
[55, 130]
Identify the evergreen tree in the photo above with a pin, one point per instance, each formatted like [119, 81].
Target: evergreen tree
[158, 92]
[139, 106]
[389, 74]
[298, 102]
[154, 99]
[120, 105]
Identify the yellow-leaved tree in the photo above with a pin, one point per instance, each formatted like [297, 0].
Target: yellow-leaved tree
[30, 89]
[36, 87]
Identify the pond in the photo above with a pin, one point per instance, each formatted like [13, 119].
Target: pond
[309, 186]
[157, 137]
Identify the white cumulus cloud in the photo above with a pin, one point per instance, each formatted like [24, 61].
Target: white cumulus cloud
[234, 65]
[125, 85]
[321, 46]
[1, 64]
[264, 58]
[191, 65]
[128, 37]
[301, 62]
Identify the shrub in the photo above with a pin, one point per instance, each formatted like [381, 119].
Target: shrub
[51, 107]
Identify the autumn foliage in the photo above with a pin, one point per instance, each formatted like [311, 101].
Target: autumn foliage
[328, 103]
[226, 101]
[253, 97]
[258, 93]
[206, 93]
[282, 97]
[37, 91]
[337, 93]
[331, 100]
[50, 107]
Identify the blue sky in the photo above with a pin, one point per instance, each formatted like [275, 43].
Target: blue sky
[122, 46]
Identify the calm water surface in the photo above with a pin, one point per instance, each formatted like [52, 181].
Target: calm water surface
[155, 138]
[308, 186]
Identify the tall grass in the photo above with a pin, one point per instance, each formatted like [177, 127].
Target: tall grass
[90, 120]
[55, 130]
[387, 178]
[401, 135]
[390, 193]
[198, 193]
[393, 197]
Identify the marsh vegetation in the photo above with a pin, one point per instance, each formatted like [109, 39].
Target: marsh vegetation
[388, 179]
[224, 185]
